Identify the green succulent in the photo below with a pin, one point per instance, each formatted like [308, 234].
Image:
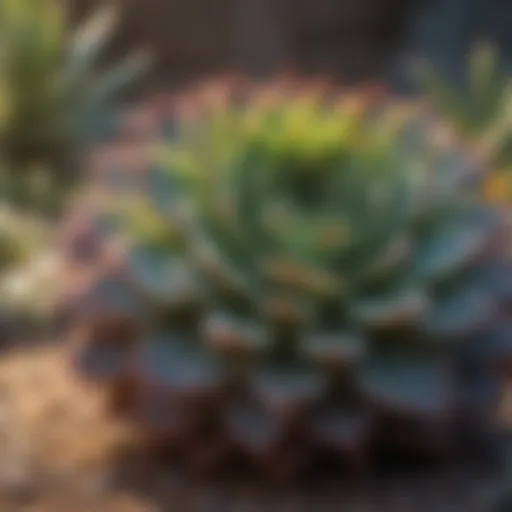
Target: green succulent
[481, 112]
[52, 96]
[313, 276]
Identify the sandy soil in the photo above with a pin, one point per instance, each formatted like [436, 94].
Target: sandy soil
[54, 442]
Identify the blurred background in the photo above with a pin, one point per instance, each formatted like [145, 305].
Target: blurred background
[347, 39]
[66, 134]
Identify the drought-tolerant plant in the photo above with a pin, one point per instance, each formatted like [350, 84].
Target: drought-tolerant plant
[305, 274]
[480, 112]
[51, 90]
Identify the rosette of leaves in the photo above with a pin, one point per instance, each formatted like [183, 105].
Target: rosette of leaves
[306, 276]
[53, 97]
[480, 112]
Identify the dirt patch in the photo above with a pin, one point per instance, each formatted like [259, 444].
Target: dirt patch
[54, 441]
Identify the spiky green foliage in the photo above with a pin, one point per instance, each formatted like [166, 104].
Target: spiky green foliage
[481, 111]
[303, 271]
[51, 91]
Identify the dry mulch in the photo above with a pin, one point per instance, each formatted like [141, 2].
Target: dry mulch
[54, 441]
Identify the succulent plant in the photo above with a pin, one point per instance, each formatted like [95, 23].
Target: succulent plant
[305, 275]
[51, 96]
[480, 112]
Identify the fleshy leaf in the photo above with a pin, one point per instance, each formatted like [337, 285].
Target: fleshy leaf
[177, 365]
[450, 250]
[231, 334]
[334, 348]
[460, 313]
[392, 310]
[287, 389]
[163, 191]
[396, 253]
[494, 277]
[409, 385]
[113, 297]
[301, 277]
[163, 276]
[285, 310]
